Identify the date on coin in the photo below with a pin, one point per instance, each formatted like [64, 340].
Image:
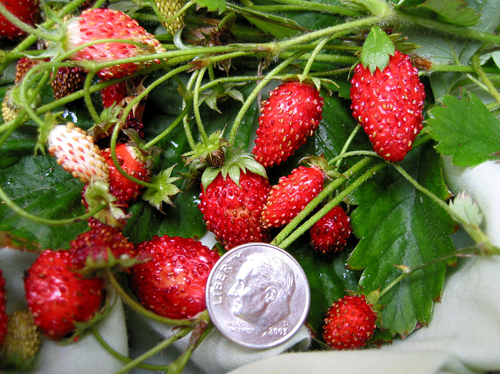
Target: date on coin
[257, 295]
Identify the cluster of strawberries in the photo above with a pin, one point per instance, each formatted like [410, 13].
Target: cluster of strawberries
[168, 274]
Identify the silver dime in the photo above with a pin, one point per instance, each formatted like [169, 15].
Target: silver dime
[257, 295]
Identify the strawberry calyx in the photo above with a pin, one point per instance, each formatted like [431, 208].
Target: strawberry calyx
[321, 163]
[211, 152]
[97, 194]
[236, 161]
[162, 189]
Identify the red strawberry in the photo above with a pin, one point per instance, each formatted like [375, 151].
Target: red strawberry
[58, 297]
[349, 323]
[97, 24]
[27, 11]
[331, 232]
[290, 115]
[114, 94]
[102, 246]
[292, 193]
[172, 283]
[388, 104]
[4, 318]
[232, 208]
[76, 153]
[67, 81]
[135, 164]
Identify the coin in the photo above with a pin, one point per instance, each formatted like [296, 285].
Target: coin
[257, 295]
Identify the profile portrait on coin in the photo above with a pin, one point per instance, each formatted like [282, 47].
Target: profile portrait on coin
[262, 291]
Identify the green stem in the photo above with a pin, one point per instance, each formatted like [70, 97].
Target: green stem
[160, 347]
[248, 102]
[319, 7]
[46, 221]
[139, 308]
[121, 357]
[314, 54]
[196, 106]
[345, 147]
[169, 129]
[88, 100]
[484, 78]
[330, 205]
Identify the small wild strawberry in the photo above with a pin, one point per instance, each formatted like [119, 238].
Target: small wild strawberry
[231, 202]
[168, 8]
[114, 94]
[388, 104]
[98, 24]
[331, 232]
[28, 11]
[58, 297]
[132, 161]
[67, 81]
[349, 323]
[288, 117]
[292, 193]
[76, 153]
[172, 283]
[100, 247]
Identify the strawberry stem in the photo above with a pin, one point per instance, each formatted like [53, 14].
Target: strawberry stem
[121, 357]
[160, 347]
[46, 221]
[476, 64]
[299, 5]
[196, 106]
[88, 100]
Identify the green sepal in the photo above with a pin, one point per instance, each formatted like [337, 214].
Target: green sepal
[164, 189]
[97, 193]
[377, 49]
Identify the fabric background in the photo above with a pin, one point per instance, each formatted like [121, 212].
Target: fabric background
[463, 336]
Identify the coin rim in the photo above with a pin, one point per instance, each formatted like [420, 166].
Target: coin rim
[221, 329]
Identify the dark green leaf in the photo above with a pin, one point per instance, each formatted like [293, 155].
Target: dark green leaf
[465, 130]
[398, 225]
[453, 11]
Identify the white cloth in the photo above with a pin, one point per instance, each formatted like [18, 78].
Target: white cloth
[462, 337]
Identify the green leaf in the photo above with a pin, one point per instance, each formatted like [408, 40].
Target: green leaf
[398, 225]
[453, 11]
[212, 5]
[376, 50]
[465, 130]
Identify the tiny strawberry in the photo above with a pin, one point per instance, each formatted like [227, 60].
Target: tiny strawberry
[132, 161]
[76, 153]
[23, 65]
[172, 283]
[101, 247]
[58, 297]
[168, 9]
[114, 94]
[67, 81]
[292, 193]
[231, 202]
[349, 323]
[10, 109]
[97, 24]
[22, 342]
[388, 105]
[331, 232]
[27, 11]
[4, 318]
[288, 117]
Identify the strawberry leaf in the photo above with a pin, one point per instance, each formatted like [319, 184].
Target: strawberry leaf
[465, 130]
[453, 11]
[212, 5]
[398, 225]
[376, 50]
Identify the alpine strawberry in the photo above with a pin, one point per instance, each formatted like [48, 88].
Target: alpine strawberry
[97, 24]
[330, 232]
[67, 81]
[388, 105]
[168, 9]
[28, 11]
[349, 323]
[292, 193]
[58, 297]
[76, 153]
[288, 117]
[172, 283]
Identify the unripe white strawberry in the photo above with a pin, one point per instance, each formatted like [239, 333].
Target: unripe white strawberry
[168, 8]
[76, 153]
